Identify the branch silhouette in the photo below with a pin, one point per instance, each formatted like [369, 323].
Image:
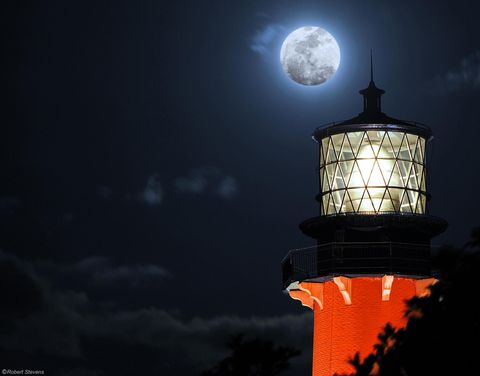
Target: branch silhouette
[254, 357]
[442, 335]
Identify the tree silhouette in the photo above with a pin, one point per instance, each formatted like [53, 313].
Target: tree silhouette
[253, 358]
[442, 335]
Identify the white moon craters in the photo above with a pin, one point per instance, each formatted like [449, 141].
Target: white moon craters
[310, 55]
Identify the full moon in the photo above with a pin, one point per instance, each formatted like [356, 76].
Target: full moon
[310, 55]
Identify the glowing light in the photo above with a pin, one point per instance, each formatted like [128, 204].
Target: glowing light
[372, 171]
[372, 167]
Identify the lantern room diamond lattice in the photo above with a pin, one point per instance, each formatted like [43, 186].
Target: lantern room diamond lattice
[373, 172]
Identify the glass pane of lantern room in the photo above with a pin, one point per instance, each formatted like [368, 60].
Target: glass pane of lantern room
[346, 153]
[423, 185]
[422, 149]
[330, 156]
[338, 200]
[366, 150]
[418, 170]
[339, 182]
[421, 204]
[418, 153]
[355, 138]
[354, 199]
[376, 197]
[346, 170]
[389, 147]
[387, 203]
[323, 179]
[404, 150]
[412, 179]
[331, 174]
[375, 137]
[412, 144]
[412, 197]
[356, 177]
[396, 195]
[325, 203]
[396, 140]
[366, 204]
[405, 206]
[337, 141]
[324, 150]
[347, 206]
[387, 168]
[404, 167]
[331, 205]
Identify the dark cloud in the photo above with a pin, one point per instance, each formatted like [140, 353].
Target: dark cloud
[199, 181]
[227, 188]
[464, 77]
[20, 290]
[136, 275]
[68, 334]
[105, 191]
[97, 270]
[207, 180]
[153, 192]
[263, 40]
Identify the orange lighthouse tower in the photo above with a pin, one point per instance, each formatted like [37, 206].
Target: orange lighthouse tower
[373, 233]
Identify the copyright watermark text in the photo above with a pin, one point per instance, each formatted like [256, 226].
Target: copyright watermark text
[7, 371]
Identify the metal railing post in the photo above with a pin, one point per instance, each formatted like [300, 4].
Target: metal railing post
[391, 258]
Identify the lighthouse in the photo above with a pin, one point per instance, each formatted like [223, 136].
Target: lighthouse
[373, 233]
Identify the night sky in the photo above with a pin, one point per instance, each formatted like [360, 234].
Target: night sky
[156, 162]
